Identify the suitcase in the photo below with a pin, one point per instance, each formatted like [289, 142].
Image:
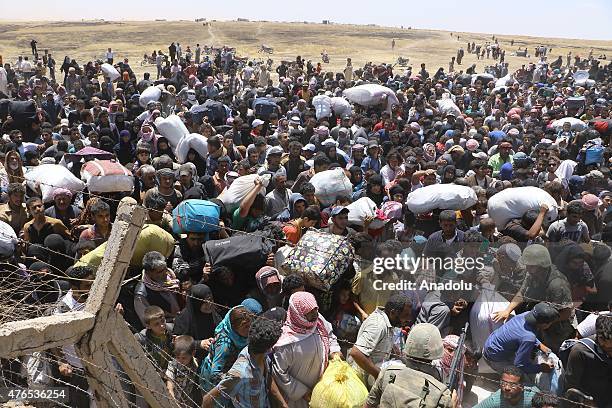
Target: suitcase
[195, 216]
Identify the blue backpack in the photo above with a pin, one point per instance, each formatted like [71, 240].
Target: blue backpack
[195, 216]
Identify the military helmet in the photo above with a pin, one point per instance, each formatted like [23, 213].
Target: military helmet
[424, 342]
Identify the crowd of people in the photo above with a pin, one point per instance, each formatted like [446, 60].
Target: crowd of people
[245, 333]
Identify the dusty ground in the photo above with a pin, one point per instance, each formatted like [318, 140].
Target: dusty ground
[88, 40]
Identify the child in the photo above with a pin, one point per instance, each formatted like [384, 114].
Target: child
[565, 135]
[143, 156]
[347, 314]
[182, 373]
[155, 338]
[294, 229]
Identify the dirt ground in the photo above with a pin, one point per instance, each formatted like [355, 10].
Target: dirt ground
[88, 40]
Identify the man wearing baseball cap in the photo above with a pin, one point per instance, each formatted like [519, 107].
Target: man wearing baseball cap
[338, 224]
[514, 342]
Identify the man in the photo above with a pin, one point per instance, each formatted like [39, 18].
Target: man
[589, 364]
[303, 350]
[339, 222]
[62, 208]
[375, 338]
[198, 52]
[449, 234]
[100, 231]
[479, 178]
[219, 178]
[14, 212]
[249, 383]
[499, 159]
[158, 287]
[572, 227]
[166, 179]
[515, 342]
[294, 163]
[277, 200]
[545, 283]
[512, 392]
[41, 226]
[110, 55]
[418, 380]
[528, 228]
[190, 188]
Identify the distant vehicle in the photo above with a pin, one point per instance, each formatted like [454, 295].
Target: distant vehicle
[265, 49]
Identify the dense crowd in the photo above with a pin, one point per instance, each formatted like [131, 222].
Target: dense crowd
[253, 280]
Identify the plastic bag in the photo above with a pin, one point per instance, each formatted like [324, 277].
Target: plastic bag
[322, 105]
[172, 128]
[152, 93]
[512, 203]
[106, 176]
[193, 141]
[577, 124]
[447, 106]
[8, 239]
[340, 387]
[330, 184]
[341, 106]
[50, 177]
[549, 382]
[239, 189]
[110, 72]
[441, 196]
[481, 322]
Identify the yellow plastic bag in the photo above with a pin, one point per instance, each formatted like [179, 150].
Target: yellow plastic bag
[340, 387]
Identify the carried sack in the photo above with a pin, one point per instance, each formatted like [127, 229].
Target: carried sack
[264, 107]
[441, 196]
[239, 251]
[365, 207]
[322, 105]
[8, 239]
[151, 94]
[213, 110]
[330, 184]
[50, 177]
[232, 196]
[512, 203]
[320, 259]
[110, 72]
[107, 176]
[340, 387]
[172, 128]
[195, 216]
[410, 388]
[193, 141]
[481, 315]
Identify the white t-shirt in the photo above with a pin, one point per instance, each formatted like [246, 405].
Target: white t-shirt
[109, 55]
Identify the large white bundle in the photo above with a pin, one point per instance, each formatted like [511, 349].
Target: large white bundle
[362, 208]
[512, 203]
[441, 196]
[371, 94]
[446, 106]
[232, 196]
[52, 176]
[504, 81]
[172, 128]
[330, 184]
[577, 124]
[152, 93]
[341, 106]
[8, 239]
[322, 105]
[580, 77]
[193, 141]
[110, 72]
[481, 315]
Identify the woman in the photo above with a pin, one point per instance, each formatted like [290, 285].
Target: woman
[163, 148]
[125, 149]
[269, 285]
[199, 162]
[199, 318]
[104, 123]
[571, 261]
[375, 189]
[393, 168]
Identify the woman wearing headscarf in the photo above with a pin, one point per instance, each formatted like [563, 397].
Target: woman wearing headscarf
[125, 149]
[231, 336]
[375, 190]
[302, 353]
[103, 122]
[448, 174]
[199, 318]
[269, 285]
[571, 261]
[356, 177]
[429, 152]
[163, 147]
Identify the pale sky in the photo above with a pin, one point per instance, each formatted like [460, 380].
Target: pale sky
[583, 19]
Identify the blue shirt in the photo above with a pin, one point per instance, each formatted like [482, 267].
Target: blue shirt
[370, 163]
[245, 383]
[514, 341]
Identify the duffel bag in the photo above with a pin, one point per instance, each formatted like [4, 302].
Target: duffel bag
[195, 216]
[320, 258]
[238, 251]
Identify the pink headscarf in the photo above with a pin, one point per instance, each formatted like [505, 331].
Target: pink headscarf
[450, 348]
[296, 326]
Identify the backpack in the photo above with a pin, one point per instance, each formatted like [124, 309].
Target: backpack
[567, 345]
[263, 107]
[408, 388]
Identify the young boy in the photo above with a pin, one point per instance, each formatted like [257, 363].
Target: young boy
[294, 229]
[572, 227]
[249, 383]
[99, 232]
[156, 339]
[182, 373]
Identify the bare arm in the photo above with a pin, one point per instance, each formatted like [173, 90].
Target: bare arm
[209, 399]
[246, 204]
[364, 362]
[534, 231]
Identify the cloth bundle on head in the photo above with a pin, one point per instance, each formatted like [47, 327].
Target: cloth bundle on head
[58, 192]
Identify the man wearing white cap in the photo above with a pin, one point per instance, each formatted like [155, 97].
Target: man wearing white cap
[278, 199]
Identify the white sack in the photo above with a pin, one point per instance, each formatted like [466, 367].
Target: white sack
[52, 176]
[193, 141]
[232, 196]
[441, 196]
[322, 105]
[446, 106]
[152, 93]
[8, 239]
[512, 203]
[329, 184]
[371, 94]
[341, 106]
[577, 124]
[110, 72]
[172, 128]
[364, 207]
[481, 316]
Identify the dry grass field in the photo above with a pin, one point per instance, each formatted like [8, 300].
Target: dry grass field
[88, 40]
